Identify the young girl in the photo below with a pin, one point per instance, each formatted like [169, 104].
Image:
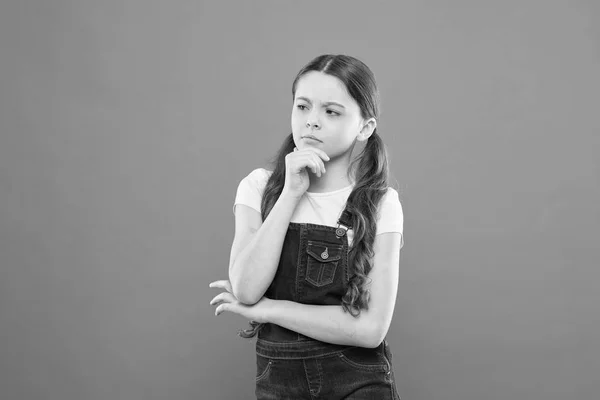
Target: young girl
[314, 262]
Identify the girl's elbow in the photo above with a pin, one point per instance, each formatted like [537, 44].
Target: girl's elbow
[248, 299]
[244, 296]
[374, 336]
[371, 342]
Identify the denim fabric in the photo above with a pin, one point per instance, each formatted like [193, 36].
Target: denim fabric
[313, 269]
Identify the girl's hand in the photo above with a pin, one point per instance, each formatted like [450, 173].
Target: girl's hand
[297, 164]
[226, 301]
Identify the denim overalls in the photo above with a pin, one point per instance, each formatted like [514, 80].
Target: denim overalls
[313, 269]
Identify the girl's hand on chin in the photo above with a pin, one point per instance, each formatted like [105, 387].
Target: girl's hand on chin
[226, 301]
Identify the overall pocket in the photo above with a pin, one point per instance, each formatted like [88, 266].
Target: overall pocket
[365, 359]
[263, 367]
[322, 262]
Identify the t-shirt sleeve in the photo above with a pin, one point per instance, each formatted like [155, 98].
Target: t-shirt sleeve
[391, 218]
[251, 188]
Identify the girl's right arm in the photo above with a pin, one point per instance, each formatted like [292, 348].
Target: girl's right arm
[257, 245]
[258, 248]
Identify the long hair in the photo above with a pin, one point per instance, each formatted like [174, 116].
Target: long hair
[370, 170]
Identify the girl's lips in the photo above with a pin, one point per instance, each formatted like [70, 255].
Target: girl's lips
[310, 137]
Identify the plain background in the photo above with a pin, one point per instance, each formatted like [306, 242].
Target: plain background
[126, 126]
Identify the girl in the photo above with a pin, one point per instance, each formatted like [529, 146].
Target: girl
[314, 261]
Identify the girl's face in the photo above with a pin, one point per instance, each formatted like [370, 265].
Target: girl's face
[324, 109]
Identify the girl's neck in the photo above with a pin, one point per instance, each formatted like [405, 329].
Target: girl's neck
[335, 178]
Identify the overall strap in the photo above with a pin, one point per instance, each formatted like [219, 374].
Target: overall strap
[344, 223]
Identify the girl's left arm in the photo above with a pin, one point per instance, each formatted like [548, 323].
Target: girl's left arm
[332, 324]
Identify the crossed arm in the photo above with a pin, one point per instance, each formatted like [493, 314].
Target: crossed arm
[330, 323]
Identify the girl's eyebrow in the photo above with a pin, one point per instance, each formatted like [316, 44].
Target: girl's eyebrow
[328, 103]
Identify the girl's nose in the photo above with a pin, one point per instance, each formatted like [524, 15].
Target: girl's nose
[312, 124]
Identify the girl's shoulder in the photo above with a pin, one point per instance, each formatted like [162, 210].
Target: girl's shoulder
[390, 207]
[258, 177]
[260, 173]
[391, 196]
[390, 216]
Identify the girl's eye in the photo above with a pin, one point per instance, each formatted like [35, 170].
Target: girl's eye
[301, 107]
[333, 112]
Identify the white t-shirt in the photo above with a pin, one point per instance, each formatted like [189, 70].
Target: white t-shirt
[322, 208]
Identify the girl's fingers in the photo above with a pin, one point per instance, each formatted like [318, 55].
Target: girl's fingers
[222, 284]
[214, 301]
[319, 157]
[320, 153]
[223, 297]
[316, 168]
[315, 160]
[231, 307]
[320, 163]
[220, 309]
[310, 164]
[316, 163]
[313, 164]
[216, 284]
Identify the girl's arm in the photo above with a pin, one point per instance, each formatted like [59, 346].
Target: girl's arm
[256, 248]
[330, 323]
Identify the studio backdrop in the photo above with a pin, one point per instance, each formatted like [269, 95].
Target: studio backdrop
[126, 126]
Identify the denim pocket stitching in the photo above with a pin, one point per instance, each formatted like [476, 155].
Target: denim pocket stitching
[265, 372]
[317, 256]
[387, 356]
[367, 367]
[318, 265]
[332, 266]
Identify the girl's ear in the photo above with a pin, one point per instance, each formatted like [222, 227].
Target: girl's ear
[367, 130]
